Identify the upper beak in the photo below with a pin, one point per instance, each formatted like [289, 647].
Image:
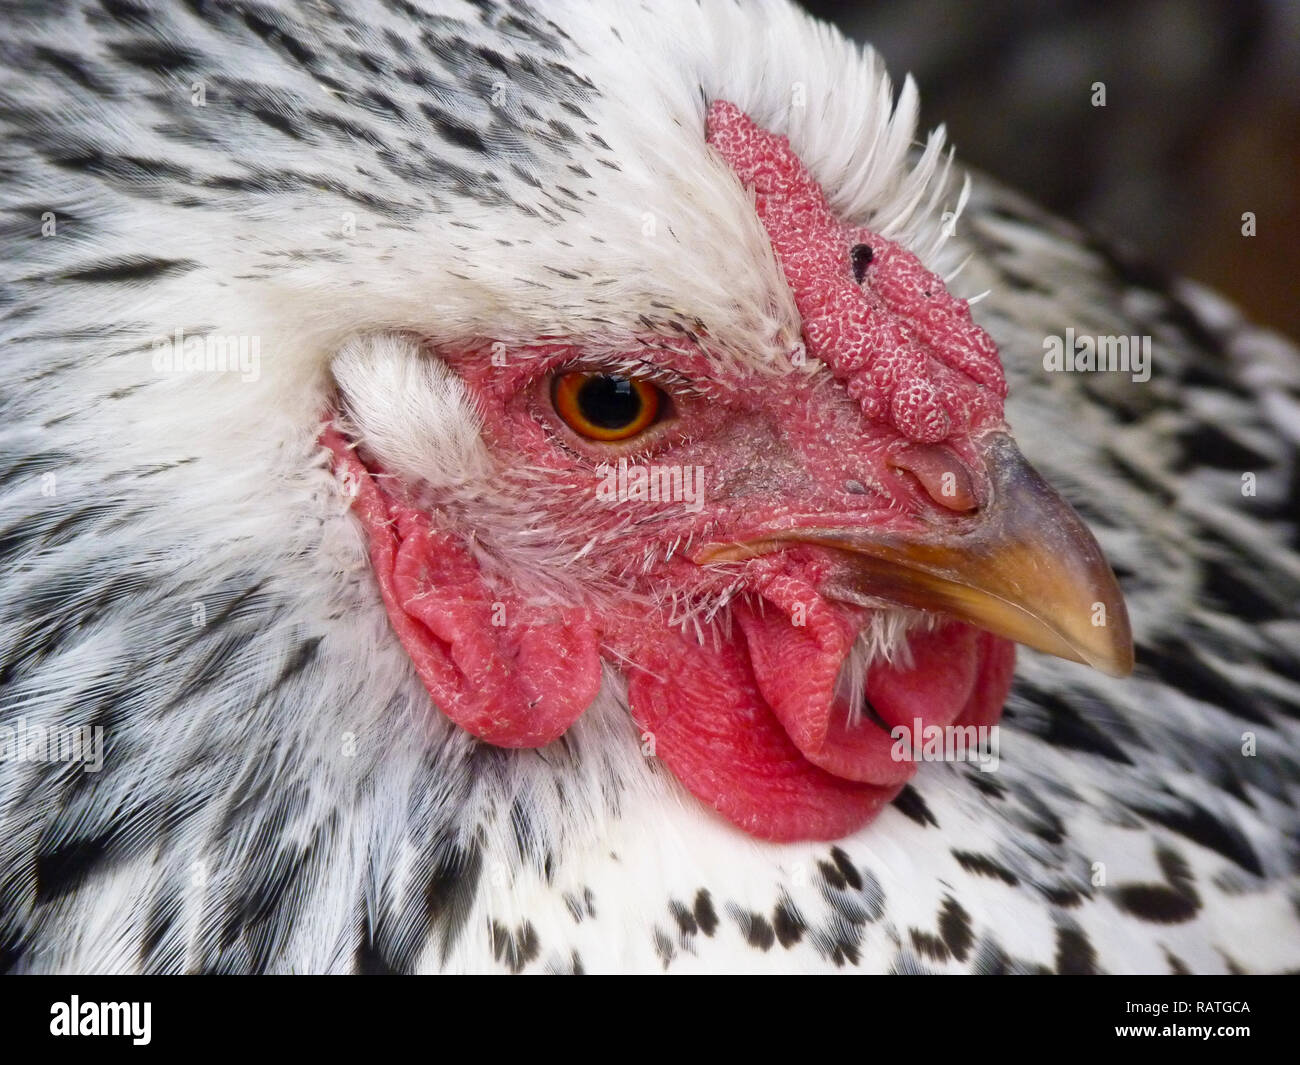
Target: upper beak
[1025, 567]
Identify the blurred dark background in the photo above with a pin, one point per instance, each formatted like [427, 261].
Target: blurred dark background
[1201, 123]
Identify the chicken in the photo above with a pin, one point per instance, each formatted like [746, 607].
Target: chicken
[511, 487]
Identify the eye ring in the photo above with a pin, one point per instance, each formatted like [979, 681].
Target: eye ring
[606, 407]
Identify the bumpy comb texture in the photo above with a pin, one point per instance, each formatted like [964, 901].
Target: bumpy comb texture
[906, 348]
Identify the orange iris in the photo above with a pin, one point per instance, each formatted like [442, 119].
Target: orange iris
[603, 406]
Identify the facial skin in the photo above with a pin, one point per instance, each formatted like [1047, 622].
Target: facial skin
[862, 502]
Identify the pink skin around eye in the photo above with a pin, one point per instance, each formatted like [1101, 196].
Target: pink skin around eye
[747, 716]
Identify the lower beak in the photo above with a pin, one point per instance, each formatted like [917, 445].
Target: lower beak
[1025, 567]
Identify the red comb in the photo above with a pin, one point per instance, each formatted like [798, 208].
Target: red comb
[908, 351]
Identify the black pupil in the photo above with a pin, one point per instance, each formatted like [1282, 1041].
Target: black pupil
[861, 256]
[608, 401]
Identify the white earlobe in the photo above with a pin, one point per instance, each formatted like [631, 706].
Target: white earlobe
[410, 411]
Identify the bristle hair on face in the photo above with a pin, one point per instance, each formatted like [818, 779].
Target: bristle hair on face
[883, 639]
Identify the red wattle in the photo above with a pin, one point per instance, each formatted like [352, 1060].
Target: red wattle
[997, 664]
[714, 729]
[937, 687]
[796, 668]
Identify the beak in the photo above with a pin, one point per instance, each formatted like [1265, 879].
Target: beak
[1026, 567]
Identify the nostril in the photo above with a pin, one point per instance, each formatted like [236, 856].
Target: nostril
[942, 474]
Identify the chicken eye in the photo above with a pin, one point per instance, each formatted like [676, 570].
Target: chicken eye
[603, 406]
